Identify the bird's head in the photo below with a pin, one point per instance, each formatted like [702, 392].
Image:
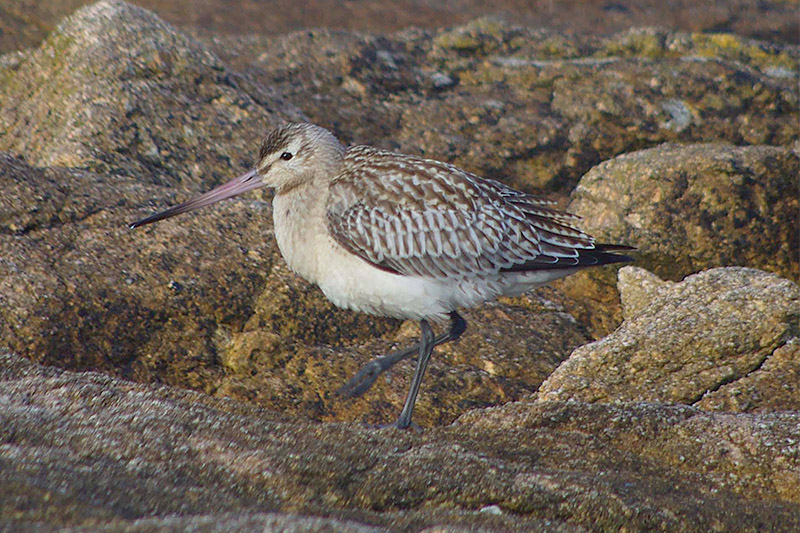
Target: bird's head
[294, 154]
[291, 155]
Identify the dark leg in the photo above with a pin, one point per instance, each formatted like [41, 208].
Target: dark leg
[363, 380]
[425, 350]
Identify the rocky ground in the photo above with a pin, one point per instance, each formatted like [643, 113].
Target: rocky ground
[179, 376]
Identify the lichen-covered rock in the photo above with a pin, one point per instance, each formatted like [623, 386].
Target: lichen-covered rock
[85, 449]
[206, 302]
[752, 455]
[538, 109]
[295, 357]
[118, 114]
[682, 341]
[532, 107]
[202, 301]
[115, 89]
[689, 208]
[78, 289]
[774, 386]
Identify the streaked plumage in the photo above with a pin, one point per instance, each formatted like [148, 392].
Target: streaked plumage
[401, 236]
[421, 217]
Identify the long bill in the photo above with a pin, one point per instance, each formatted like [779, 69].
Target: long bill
[241, 184]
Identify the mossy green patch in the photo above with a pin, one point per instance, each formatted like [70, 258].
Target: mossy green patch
[729, 46]
[644, 43]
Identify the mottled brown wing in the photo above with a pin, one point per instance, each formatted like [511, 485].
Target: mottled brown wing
[421, 217]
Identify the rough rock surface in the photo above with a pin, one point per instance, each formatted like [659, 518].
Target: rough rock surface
[538, 109]
[118, 456]
[199, 302]
[774, 386]
[207, 303]
[114, 89]
[533, 107]
[692, 207]
[681, 341]
[297, 349]
[687, 208]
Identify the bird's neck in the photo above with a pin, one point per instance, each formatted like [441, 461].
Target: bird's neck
[299, 218]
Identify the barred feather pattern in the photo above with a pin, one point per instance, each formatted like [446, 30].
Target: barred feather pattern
[420, 217]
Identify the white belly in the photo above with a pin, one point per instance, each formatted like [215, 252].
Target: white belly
[352, 283]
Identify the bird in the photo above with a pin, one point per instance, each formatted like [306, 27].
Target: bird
[402, 236]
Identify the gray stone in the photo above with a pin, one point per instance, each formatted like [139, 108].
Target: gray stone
[85, 449]
[204, 301]
[114, 89]
[681, 341]
[687, 208]
[569, 102]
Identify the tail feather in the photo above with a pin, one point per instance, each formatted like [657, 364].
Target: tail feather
[607, 254]
[614, 248]
[601, 254]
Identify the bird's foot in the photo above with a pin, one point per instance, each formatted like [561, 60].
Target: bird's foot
[410, 426]
[362, 381]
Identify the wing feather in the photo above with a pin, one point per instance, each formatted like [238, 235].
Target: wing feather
[421, 217]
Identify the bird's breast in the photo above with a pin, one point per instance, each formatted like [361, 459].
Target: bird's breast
[299, 230]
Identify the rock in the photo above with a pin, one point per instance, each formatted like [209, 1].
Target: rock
[182, 303]
[224, 522]
[532, 107]
[687, 208]
[203, 301]
[753, 455]
[538, 109]
[88, 450]
[682, 341]
[295, 357]
[525, 105]
[80, 290]
[117, 114]
[775, 386]
[114, 89]
[207, 303]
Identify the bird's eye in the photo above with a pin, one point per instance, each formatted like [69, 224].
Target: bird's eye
[286, 156]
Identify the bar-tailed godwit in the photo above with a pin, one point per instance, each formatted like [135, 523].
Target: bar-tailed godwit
[401, 236]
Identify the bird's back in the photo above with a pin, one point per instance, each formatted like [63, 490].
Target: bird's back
[419, 217]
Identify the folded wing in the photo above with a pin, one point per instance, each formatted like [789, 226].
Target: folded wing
[420, 217]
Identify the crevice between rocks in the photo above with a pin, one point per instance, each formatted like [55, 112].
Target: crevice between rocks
[759, 364]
